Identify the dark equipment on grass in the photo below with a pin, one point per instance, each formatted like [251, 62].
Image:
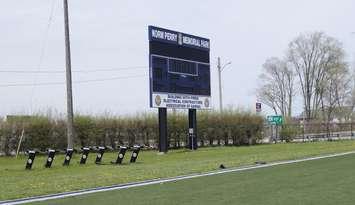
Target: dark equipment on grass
[120, 156]
[31, 159]
[68, 156]
[84, 155]
[100, 154]
[135, 153]
[50, 158]
[222, 166]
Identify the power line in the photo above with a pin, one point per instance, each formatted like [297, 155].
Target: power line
[75, 71]
[76, 82]
[43, 50]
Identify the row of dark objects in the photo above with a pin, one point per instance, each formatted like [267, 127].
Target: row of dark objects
[84, 155]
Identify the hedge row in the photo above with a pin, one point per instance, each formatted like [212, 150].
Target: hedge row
[231, 127]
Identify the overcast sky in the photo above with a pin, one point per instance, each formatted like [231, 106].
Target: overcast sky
[112, 36]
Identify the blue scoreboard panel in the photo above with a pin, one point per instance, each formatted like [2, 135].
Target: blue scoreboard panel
[179, 70]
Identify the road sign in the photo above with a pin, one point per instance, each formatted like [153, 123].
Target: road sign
[275, 119]
[258, 107]
[179, 70]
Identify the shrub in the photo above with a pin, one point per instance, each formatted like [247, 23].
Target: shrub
[42, 132]
[287, 133]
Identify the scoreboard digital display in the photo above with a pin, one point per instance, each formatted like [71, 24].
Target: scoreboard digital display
[179, 70]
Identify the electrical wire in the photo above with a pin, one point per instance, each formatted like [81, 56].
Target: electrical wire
[74, 82]
[42, 52]
[74, 71]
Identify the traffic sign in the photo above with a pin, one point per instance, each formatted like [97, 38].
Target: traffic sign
[258, 107]
[275, 119]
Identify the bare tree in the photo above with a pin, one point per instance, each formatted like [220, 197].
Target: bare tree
[267, 94]
[312, 57]
[277, 86]
[346, 112]
[335, 90]
[350, 101]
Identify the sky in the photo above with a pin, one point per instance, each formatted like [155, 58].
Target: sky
[109, 47]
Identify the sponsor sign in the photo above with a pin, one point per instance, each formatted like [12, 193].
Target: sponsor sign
[180, 101]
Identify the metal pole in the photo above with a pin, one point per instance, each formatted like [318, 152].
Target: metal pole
[352, 107]
[351, 120]
[163, 130]
[220, 83]
[304, 122]
[192, 129]
[70, 120]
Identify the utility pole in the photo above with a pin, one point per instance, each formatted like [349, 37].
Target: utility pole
[220, 69]
[219, 83]
[70, 115]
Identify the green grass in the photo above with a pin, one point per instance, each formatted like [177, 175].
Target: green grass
[326, 181]
[16, 182]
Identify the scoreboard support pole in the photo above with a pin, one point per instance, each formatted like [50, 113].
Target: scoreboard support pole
[192, 129]
[163, 130]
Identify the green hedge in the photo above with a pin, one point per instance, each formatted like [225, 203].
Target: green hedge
[232, 127]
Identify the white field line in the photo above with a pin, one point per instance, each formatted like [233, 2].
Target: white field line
[158, 181]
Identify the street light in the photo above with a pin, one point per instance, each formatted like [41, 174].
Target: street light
[225, 65]
[220, 69]
[352, 34]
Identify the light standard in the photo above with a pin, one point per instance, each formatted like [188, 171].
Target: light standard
[352, 34]
[220, 69]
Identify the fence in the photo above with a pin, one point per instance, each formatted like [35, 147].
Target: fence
[309, 131]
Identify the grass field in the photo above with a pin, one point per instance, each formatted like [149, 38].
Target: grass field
[18, 183]
[326, 181]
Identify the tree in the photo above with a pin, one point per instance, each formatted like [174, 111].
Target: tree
[312, 56]
[335, 90]
[350, 102]
[277, 88]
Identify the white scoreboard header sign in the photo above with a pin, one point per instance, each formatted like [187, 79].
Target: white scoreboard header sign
[181, 101]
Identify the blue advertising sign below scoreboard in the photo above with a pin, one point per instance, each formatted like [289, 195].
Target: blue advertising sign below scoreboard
[179, 70]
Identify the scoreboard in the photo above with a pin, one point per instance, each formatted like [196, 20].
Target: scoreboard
[179, 70]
